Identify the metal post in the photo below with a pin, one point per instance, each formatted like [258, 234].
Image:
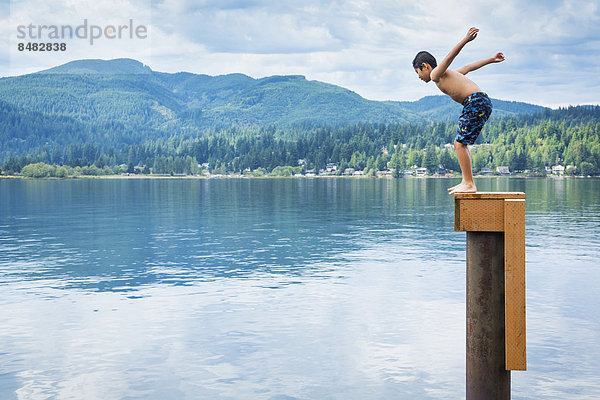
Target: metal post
[487, 378]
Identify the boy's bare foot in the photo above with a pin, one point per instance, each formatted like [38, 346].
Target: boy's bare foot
[455, 186]
[464, 188]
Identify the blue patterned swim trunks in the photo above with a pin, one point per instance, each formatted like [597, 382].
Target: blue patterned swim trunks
[477, 108]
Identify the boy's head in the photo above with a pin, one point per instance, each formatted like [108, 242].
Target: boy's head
[423, 64]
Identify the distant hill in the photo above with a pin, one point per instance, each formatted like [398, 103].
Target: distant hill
[129, 92]
[125, 90]
[98, 66]
[122, 101]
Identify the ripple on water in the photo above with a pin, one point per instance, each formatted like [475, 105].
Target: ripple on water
[277, 289]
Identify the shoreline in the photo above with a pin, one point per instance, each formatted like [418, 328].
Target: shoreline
[200, 177]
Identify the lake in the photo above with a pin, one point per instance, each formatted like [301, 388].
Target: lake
[278, 289]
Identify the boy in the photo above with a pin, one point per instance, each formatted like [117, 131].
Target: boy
[477, 106]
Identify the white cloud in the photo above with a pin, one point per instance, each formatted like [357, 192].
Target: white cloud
[368, 46]
[43, 15]
[4, 36]
[551, 46]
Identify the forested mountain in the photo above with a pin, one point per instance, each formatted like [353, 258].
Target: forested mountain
[129, 93]
[126, 91]
[98, 66]
[107, 113]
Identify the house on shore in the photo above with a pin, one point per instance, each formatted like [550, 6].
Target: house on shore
[558, 170]
[503, 170]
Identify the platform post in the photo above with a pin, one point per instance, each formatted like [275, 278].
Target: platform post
[495, 226]
[486, 376]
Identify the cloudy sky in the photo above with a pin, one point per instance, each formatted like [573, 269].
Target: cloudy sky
[552, 47]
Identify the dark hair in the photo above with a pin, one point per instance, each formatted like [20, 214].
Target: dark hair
[424, 57]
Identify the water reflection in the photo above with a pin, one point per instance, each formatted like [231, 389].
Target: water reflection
[120, 235]
[277, 289]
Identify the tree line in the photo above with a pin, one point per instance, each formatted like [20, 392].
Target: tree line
[569, 136]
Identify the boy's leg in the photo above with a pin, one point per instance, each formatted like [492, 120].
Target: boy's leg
[464, 160]
[476, 110]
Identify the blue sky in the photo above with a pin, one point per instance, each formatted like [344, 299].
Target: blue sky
[552, 48]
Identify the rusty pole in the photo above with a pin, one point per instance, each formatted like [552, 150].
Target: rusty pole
[487, 378]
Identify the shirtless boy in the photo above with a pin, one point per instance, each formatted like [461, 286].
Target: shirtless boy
[477, 106]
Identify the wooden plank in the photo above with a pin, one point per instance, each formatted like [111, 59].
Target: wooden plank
[486, 215]
[514, 284]
[456, 214]
[489, 195]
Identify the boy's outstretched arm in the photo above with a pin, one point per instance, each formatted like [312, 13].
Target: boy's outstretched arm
[499, 57]
[440, 70]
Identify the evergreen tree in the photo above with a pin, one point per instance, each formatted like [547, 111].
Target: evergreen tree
[431, 160]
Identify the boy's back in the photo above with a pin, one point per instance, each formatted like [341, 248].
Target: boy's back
[456, 85]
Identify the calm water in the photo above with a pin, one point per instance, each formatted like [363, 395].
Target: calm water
[278, 289]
